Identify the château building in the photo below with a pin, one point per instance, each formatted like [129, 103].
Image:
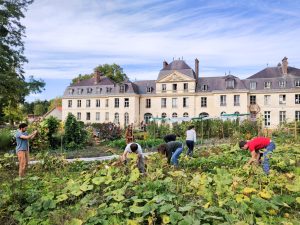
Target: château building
[272, 94]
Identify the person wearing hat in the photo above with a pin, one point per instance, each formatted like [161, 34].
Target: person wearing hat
[254, 146]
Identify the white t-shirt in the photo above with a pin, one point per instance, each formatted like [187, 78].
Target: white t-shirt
[138, 151]
[191, 135]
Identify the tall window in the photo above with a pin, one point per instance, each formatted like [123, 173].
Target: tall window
[252, 99]
[117, 102]
[282, 83]
[116, 118]
[236, 100]
[106, 116]
[163, 115]
[149, 89]
[163, 102]
[267, 99]
[98, 103]
[222, 100]
[282, 99]
[88, 116]
[174, 115]
[203, 101]
[122, 89]
[79, 116]
[282, 117]
[97, 116]
[163, 87]
[297, 83]
[126, 102]
[88, 103]
[267, 116]
[78, 103]
[147, 117]
[267, 84]
[174, 87]
[70, 103]
[185, 102]
[185, 114]
[185, 87]
[148, 103]
[106, 103]
[174, 102]
[252, 85]
[297, 115]
[126, 118]
[297, 99]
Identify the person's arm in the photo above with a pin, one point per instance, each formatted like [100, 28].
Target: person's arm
[169, 155]
[124, 156]
[195, 137]
[27, 137]
[254, 157]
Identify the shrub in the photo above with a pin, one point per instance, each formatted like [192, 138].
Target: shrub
[108, 131]
[6, 139]
[75, 135]
[52, 125]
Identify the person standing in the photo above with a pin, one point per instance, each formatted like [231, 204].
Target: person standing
[137, 149]
[172, 151]
[129, 134]
[190, 140]
[254, 146]
[22, 148]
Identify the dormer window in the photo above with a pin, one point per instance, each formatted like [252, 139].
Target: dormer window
[230, 84]
[89, 90]
[282, 84]
[79, 91]
[71, 91]
[98, 90]
[253, 85]
[108, 90]
[149, 89]
[297, 83]
[267, 84]
[204, 87]
[122, 89]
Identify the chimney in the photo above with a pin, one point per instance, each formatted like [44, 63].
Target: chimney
[97, 75]
[284, 66]
[197, 69]
[165, 64]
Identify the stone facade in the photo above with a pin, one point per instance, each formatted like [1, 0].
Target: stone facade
[272, 94]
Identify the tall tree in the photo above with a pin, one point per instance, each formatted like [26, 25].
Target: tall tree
[13, 86]
[55, 103]
[113, 71]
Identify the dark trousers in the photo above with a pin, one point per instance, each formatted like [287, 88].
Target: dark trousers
[190, 145]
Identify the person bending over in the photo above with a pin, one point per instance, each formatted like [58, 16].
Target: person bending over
[172, 151]
[137, 149]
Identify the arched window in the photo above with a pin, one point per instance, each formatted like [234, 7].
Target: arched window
[174, 115]
[185, 114]
[203, 114]
[163, 115]
[147, 117]
[237, 113]
[116, 118]
[223, 113]
[126, 119]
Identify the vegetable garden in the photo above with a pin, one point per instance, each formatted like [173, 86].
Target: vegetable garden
[210, 188]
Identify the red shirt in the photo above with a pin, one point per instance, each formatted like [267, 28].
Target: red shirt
[258, 143]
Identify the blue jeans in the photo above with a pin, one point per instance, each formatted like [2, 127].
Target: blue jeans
[175, 156]
[266, 155]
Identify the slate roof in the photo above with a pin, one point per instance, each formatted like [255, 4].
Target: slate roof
[143, 84]
[219, 83]
[273, 72]
[91, 82]
[178, 65]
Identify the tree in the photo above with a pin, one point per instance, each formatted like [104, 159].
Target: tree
[39, 109]
[13, 114]
[55, 103]
[113, 71]
[13, 86]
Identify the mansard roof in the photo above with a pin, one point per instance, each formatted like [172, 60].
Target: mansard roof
[178, 65]
[275, 72]
[142, 86]
[91, 82]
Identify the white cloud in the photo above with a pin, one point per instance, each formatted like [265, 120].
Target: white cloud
[65, 38]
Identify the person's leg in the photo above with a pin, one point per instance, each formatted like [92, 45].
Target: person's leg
[188, 144]
[175, 156]
[192, 147]
[141, 164]
[22, 163]
[266, 156]
[27, 160]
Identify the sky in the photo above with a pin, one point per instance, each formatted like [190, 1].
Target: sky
[65, 38]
